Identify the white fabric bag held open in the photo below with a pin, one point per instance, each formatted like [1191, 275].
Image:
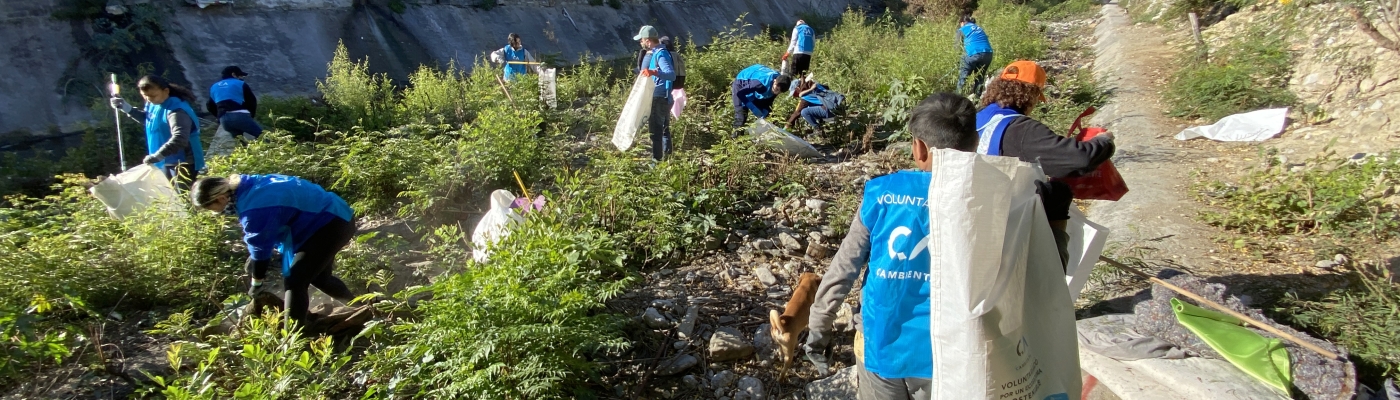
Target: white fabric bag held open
[136, 189]
[634, 113]
[1001, 320]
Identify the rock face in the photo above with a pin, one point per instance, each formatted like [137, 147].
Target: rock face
[285, 44]
[728, 344]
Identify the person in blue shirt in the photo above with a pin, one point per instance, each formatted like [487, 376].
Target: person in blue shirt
[232, 101]
[812, 104]
[660, 66]
[753, 90]
[304, 222]
[977, 53]
[172, 129]
[887, 245]
[515, 58]
[800, 47]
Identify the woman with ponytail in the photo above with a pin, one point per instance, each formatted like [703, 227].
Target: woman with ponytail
[172, 129]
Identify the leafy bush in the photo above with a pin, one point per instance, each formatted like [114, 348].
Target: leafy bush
[521, 326]
[1248, 73]
[1332, 195]
[66, 244]
[29, 340]
[1363, 318]
[352, 89]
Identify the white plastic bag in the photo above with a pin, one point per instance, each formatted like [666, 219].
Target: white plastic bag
[141, 186]
[678, 102]
[1086, 240]
[1253, 126]
[549, 83]
[634, 113]
[495, 225]
[1001, 321]
[767, 133]
[222, 143]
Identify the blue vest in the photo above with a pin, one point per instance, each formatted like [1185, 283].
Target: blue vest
[815, 96]
[762, 74]
[975, 39]
[511, 54]
[895, 298]
[282, 212]
[806, 39]
[991, 125]
[227, 89]
[663, 86]
[158, 132]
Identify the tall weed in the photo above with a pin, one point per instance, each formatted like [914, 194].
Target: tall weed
[367, 99]
[1247, 73]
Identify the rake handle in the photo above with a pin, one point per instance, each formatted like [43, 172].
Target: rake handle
[1218, 307]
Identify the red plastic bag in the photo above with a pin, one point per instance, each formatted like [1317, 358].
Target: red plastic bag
[1104, 183]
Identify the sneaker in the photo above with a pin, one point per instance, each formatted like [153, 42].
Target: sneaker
[819, 361]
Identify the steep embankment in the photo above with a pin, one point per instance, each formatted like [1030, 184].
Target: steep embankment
[285, 43]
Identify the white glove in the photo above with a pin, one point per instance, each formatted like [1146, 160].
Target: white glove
[120, 104]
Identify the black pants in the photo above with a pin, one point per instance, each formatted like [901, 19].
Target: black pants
[312, 267]
[800, 64]
[741, 112]
[181, 175]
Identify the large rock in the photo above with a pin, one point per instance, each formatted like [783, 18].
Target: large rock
[789, 242]
[676, 365]
[765, 276]
[750, 388]
[723, 379]
[654, 319]
[727, 344]
[687, 326]
[838, 386]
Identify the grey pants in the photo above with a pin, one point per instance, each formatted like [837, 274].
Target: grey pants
[872, 387]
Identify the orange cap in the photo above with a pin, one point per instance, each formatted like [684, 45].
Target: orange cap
[1025, 71]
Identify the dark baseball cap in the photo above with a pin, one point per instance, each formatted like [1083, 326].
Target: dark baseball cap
[234, 71]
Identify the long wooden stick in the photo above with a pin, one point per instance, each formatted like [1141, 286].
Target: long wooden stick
[1221, 308]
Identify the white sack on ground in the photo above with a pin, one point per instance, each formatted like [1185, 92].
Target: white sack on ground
[771, 135]
[141, 186]
[634, 113]
[1253, 126]
[549, 87]
[495, 225]
[1086, 240]
[1001, 320]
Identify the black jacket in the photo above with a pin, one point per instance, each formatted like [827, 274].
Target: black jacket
[1060, 156]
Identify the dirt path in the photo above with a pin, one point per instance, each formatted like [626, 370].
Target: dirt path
[1157, 215]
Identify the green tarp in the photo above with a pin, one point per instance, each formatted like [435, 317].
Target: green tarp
[1263, 358]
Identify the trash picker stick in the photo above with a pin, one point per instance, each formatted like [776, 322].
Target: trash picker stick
[117, 117]
[504, 89]
[1221, 308]
[522, 184]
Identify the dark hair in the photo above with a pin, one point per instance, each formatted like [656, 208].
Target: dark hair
[945, 121]
[182, 92]
[666, 43]
[513, 39]
[967, 18]
[203, 191]
[783, 81]
[1013, 94]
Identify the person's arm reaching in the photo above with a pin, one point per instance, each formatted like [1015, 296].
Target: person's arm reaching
[1059, 156]
[181, 127]
[250, 101]
[260, 231]
[837, 282]
[212, 107]
[792, 43]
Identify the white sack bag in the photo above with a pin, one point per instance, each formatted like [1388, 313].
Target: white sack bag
[1001, 321]
[634, 113]
[1253, 126]
[1086, 241]
[495, 225]
[771, 135]
[549, 87]
[141, 186]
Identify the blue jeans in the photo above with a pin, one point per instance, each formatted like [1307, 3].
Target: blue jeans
[237, 124]
[814, 115]
[975, 65]
[659, 123]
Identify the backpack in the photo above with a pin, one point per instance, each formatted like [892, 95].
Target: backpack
[831, 100]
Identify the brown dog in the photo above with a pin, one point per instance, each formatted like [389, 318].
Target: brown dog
[793, 320]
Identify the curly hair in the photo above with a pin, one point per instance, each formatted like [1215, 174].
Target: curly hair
[1016, 95]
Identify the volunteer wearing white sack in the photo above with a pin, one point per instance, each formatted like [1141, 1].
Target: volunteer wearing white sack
[889, 235]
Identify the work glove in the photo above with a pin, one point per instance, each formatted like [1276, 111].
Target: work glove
[648, 73]
[785, 56]
[151, 159]
[120, 104]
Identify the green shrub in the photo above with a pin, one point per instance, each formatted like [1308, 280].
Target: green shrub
[30, 340]
[365, 99]
[521, 326]
[1249, 72]
[1332, 195]
[66, 244]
